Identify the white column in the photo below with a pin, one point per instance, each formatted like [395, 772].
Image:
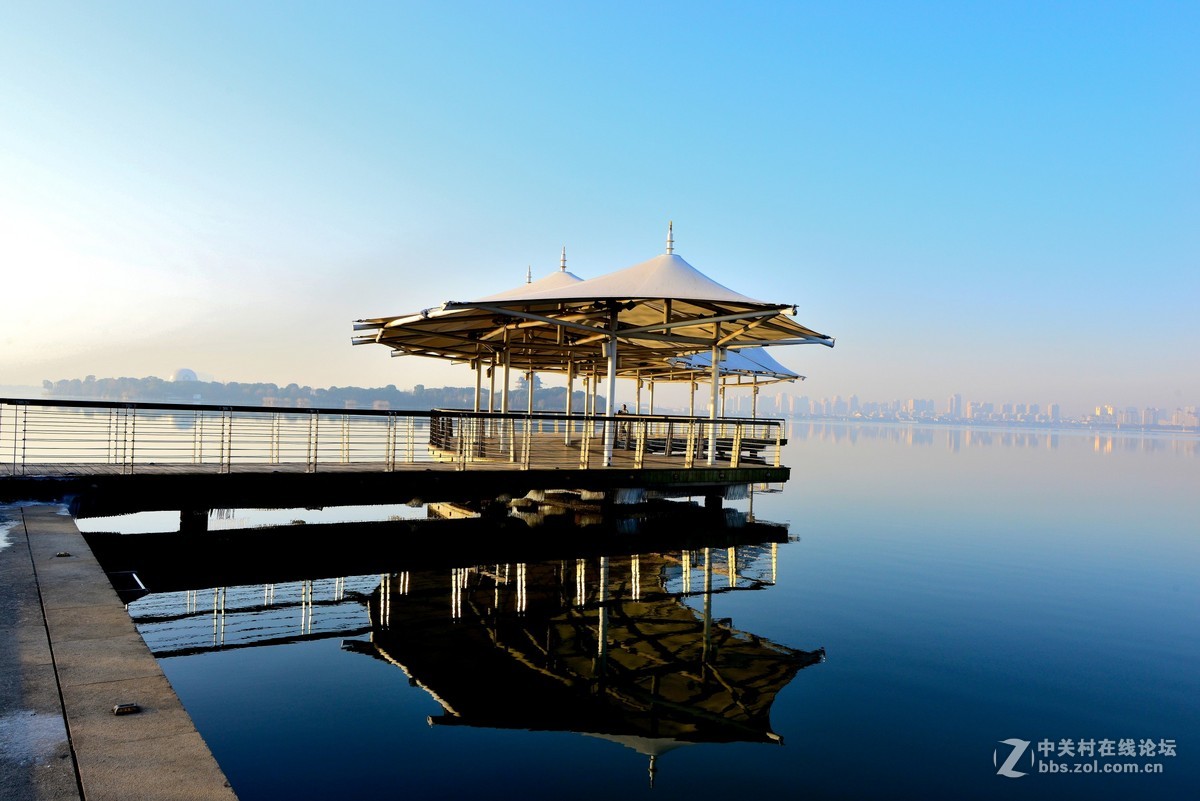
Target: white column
[610, 428]
[504, 389]
[492, 385]
[712, 431]
[478, 381]
[570, 399]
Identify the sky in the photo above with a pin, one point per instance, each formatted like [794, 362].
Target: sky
[1000, 200]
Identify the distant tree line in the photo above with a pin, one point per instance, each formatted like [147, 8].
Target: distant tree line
[420, 397]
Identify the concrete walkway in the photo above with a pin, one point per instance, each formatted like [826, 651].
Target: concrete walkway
[68, 654]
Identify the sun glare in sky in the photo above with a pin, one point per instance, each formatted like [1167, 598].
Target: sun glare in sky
[993, 200]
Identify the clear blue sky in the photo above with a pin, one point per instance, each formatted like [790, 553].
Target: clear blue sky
[997, 199]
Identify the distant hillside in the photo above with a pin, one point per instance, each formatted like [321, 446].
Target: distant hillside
[153, 389]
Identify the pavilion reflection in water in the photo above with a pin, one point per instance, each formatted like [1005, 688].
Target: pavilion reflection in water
[624, 648]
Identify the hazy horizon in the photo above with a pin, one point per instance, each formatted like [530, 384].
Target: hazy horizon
[668, 396]
[995, 201]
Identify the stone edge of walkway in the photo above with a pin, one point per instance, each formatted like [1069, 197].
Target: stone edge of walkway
[99, 660]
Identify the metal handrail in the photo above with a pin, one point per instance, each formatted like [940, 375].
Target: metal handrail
[46, 436]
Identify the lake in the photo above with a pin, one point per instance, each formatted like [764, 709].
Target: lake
[950, 612]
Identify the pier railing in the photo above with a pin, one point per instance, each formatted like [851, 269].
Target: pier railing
[47, 437]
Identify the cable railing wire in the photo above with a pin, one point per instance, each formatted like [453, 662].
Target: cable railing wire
[53, 436]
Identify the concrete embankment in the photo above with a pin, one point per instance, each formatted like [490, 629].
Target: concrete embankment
[68, 654]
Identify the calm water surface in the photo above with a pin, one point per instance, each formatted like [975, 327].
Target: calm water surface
[966, 588]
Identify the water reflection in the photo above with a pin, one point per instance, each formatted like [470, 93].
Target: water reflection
[620, 646]
[960, 438]
[624, 648]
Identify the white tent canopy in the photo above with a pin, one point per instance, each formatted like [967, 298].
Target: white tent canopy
[626, 321]
[664, 276]
[555, 281]
[753, 362]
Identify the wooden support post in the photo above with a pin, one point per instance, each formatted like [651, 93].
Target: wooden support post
[193, 521]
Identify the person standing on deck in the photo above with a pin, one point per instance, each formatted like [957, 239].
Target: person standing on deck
[623, 427]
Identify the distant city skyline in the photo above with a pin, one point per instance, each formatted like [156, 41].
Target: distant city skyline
[996, 200]
[956, 409]
[785, 398]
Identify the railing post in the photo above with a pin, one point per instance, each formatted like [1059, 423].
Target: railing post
[639, 452]
[226, 465]
[389, 454]
[131, 413]
[585, 435]
[778, 443]
[464, 434]
[689, 450]
[527, 442]
[462, 426]
[24, 422]
[735, 458]
[111, 451]
[314, 432]
[197, 433]
[15, 439]
[345, 439]
[412, 439]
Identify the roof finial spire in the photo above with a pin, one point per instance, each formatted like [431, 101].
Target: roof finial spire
[529, 273]
[562, 263]
[670, 237]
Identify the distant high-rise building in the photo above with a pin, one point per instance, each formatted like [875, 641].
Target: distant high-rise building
[954, 406]
[1055, 412]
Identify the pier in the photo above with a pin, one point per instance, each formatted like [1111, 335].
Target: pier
[75, 655]
[109, 456]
